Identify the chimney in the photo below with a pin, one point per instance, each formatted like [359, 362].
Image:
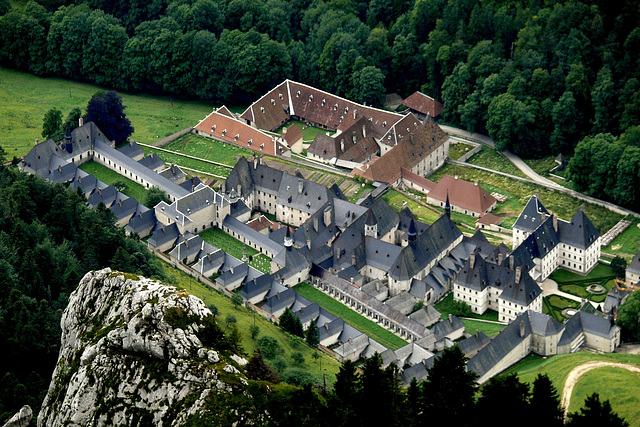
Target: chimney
[37, 141]
[472, 258]
[239, 190]
[255, 162]
[300, 185]
[522, 329]
[80, 122]
[500, 256]
[353, 260]
[555, 222]
[518, 274]
[173, 168]
[511, 263]
[309, 244]
[538, 194]
[364, 131]
[476, 183]
[342, 145]
[450, 318]
[315, 224]
[377, 286]
[327, 216]
[354, 114]
[223, 187]
[338, 253]
[261, 160]
[583, 208]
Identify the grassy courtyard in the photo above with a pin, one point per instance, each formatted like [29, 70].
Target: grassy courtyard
[446, 307]
[25, 98]
[208, 149]
[308, 132]
[621, 387]
[193, 164]
[246, 318]
[233, 247]
[458, 150]
[361, 323]
[110, 177]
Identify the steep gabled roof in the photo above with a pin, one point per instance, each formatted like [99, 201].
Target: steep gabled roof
[462, 194]
[424, 104]
[579, 233]
[533, 214]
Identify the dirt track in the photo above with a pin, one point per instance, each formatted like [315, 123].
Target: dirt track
[578, 371]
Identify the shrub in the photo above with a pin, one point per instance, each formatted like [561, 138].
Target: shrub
[270, 347]
[297, 377]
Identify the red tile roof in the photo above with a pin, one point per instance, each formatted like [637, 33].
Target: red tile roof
[489, 219]
[417, 179]
[227, 129]
[424, 104]
[292, 134]
[462, 194]
[355, 144]
[413, 145]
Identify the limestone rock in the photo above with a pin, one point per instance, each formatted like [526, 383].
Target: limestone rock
[130, 352]
[21, 419]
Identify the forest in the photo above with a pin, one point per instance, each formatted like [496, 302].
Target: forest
[537, 76]
[48, 239]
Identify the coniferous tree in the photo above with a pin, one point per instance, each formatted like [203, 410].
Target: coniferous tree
[312, 335]
[595, 413]
[544, 405]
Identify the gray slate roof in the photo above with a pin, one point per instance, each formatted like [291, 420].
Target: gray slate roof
[447, 326]
[132, 150]
[533, 214]
[244, 230]
[164, 234]
[579, 233]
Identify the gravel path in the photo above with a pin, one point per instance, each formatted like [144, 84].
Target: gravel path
[580, 370]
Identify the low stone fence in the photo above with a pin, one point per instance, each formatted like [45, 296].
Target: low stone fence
[164, 141]
[467, 156]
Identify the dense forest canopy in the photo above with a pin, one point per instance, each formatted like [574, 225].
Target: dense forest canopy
[536, 75]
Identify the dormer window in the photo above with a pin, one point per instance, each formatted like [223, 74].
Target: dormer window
[335, 107]
[324, 101]
[298, 94]
[280, 95]
[249, 142]
[273, 101]
[224, 132]
[261, 146]
[310, 98]
[384, 124]
[235, 138]
[262, 109]
[213, 128]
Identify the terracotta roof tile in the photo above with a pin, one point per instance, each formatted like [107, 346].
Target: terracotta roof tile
[227, 129]
[424, 104]
[423, 182]
[462, 194]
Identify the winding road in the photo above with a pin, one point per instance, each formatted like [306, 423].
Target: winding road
[580, 370]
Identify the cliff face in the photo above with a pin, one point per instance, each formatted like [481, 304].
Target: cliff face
[132, 354]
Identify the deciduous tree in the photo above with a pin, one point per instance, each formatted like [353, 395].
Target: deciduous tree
[106, 110]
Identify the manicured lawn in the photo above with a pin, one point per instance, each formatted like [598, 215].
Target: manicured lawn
[189, 163]
[577, 284]
[398, 201]
[489, 329]
[308, 132]
[491, 159]
[233, 247]
[207, 148]
[554, 304]
[361, 323]
[626, 244]
[458, 150]
[246, 318]
[563, 205]
[109, 177]
[620, 386]
[25, 98]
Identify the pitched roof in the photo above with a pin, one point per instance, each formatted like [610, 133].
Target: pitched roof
[447, 326]
[417, 179]
[292, 134]
[354, 144]
[152, 161]
[579, 233]
[634, 265]
[462, 194]
[132, 149]
[533, 214]
[228, 129]
[424, 104]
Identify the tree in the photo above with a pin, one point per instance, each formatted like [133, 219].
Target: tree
[298, 358]
[230, 319]
[254, 331]
[506, 392]
[346, 394]
[508, 121]
[213, 309]
[289, 322]
[619, 265]
[258, 369]
[237, 300]
[74, 118]
[596, 413]
[368, 86]
[628, 316]
[52, 125]
[154, 196]
[269, 347]
[448, 394]
[627, 191]
[544, 404]
[107, 112]
[312, 335]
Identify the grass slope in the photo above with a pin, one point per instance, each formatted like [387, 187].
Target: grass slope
[361, 323]
[620, 388]
[25, 98]
[245, 319]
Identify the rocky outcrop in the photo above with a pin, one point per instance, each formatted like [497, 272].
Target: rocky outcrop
[132, 354]
[21, 419]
